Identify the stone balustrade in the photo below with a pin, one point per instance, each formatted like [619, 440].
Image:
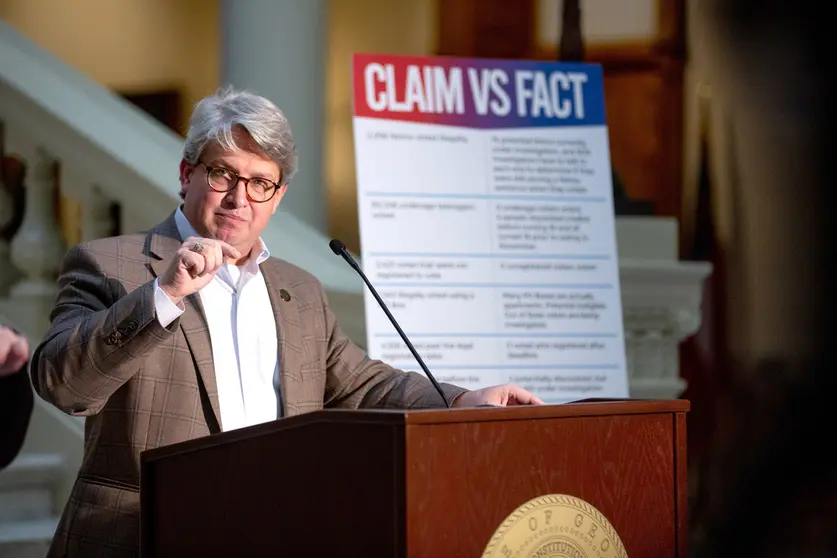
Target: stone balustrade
[29, 264]
[661, 303]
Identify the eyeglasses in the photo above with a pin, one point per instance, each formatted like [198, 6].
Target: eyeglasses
[222, 180]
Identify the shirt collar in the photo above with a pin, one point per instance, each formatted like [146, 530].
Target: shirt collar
[185, 229]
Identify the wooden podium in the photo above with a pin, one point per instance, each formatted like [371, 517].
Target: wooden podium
[415, 483]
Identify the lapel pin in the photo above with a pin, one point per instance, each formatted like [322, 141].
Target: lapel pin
[284, 295]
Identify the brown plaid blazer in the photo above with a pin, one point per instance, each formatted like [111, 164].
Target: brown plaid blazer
[142, 386]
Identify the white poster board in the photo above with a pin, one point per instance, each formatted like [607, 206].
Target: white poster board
[486, 222]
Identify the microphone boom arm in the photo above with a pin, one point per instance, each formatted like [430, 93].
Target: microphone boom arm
[340, 249]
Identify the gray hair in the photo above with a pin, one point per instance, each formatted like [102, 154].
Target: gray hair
[215, 117]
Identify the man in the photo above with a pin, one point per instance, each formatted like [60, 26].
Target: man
[16, 398]
[194, 328]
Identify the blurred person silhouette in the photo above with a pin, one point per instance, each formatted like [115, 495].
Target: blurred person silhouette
[772, 486]
[16, 398]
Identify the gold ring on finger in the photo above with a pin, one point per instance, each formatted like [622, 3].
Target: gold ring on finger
[197, 247]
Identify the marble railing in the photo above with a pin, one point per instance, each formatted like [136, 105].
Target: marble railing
[661, 303]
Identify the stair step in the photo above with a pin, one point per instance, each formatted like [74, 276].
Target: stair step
[27, 539]
[35, 530]
[27, 488]
[32, 469]
[26, 504]
[24, 549]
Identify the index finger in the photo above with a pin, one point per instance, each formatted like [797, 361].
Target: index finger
[527, 398]
[228, 250]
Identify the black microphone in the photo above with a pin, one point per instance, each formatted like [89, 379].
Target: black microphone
[340, 249]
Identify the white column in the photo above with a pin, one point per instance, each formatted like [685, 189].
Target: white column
[661, 304]
[276, 48]
[38, 247]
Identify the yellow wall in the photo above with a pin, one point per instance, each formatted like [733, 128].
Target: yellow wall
[128, 45]
[140, 45]
[370, 26]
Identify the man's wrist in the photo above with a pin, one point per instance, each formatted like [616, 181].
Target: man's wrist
[456, 398]
[166, 309]
[175, 300]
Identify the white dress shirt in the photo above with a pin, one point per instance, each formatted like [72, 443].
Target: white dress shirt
[242, 329]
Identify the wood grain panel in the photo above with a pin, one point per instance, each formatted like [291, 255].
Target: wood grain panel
[486, 28]
[415, 483]
[671, 29]
[621, 465]
[309, 492]
[637, 146]
[681, 472]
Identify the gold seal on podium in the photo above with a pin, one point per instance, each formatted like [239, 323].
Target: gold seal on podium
[555, 526]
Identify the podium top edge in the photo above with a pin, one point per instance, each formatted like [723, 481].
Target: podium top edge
[581, 408]
[428, 417]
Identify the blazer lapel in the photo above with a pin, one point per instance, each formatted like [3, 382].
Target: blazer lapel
[163, 242]
[288, 329]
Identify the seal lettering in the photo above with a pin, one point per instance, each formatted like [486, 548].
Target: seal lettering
[555, 526]
[558, 548]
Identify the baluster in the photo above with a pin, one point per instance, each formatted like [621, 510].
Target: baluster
[653, 333]
[37, 248]
[86, 211]
[8, 273]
